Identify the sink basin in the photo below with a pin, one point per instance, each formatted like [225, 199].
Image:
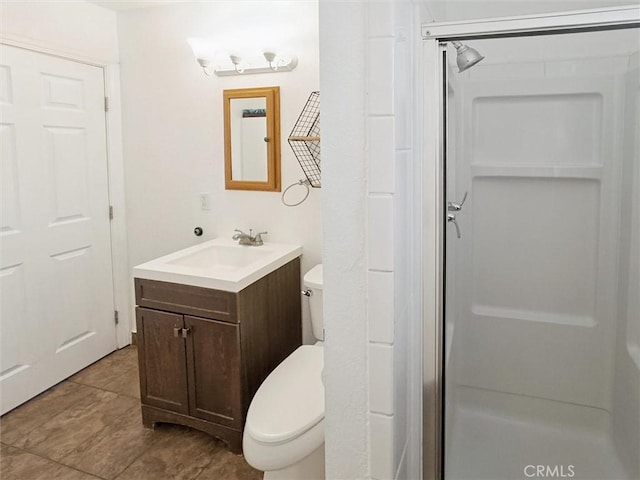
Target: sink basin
[221, 256]
[220, 263]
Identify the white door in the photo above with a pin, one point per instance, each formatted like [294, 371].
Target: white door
[56, 288]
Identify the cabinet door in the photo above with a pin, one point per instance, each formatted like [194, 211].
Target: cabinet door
[161, 355]
[213, 363]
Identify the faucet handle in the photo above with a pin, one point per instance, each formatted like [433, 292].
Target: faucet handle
[258, 238]
[238, 235]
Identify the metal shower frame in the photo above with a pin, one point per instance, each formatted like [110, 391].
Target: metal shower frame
[432, 122]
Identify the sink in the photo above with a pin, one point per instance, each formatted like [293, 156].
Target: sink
[220, 263]
[221, 256]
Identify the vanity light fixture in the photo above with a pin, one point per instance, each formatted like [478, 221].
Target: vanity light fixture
[270, 57]
[237, 61]
[203, 51]
[207, 68]
[234, 64]
[267, 62]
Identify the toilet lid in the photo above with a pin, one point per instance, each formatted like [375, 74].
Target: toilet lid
[313, 278]
[291, 399]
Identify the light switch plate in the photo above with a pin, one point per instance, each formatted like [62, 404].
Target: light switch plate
[205, 201]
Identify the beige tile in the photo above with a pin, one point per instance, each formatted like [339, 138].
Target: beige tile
[60, 435]
[181, 456]
[229, 466]
[127, 357]
[98, 431]
[16, 464]
[113, 449]
[128, 383]
[17, 424]
[108, 369]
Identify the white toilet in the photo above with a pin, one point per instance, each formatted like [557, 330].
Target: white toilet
[284, 432]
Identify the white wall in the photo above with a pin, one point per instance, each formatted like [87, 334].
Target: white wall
[371, 240]
[393, 294]
[342, 83]
[78, 28]
[173, 125]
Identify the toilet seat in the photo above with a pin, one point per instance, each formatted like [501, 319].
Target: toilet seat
[290, 402]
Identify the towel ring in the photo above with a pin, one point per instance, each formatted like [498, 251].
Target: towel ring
[299, 182]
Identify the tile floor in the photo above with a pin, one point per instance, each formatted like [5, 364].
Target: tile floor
[89, 427]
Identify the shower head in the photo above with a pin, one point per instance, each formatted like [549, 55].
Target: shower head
[467, 56]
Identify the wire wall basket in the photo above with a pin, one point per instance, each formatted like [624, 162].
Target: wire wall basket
[305, 139]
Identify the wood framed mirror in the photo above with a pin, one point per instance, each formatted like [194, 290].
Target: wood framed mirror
[252, 139]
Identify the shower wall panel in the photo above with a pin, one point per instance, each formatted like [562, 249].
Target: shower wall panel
[538, 157]
[626, 397]
[556, 129]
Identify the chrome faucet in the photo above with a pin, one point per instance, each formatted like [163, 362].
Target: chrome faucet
[249, 239]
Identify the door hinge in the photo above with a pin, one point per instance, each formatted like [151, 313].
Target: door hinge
[110, 212]
[106, 104]
[115, 317]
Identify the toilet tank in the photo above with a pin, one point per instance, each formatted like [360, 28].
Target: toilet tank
[313, 282]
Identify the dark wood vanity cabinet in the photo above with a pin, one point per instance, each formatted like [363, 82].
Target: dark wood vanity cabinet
[179, 352]
[203, 353]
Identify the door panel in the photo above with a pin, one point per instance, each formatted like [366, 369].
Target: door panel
[55, 271]
[161, 350]
[213, 362]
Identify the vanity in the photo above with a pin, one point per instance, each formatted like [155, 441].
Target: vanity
[212, 322]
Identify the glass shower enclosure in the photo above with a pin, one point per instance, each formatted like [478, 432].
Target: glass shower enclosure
[540, 322]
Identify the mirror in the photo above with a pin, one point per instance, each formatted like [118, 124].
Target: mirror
[252, 138]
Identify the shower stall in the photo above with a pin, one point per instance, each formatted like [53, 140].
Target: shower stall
[534, 302]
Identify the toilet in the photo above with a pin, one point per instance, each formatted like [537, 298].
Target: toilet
[284, 431]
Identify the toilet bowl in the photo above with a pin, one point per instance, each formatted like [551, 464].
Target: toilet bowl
[284, 431]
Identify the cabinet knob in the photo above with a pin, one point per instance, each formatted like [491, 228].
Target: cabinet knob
[176, 331]
[185, 332]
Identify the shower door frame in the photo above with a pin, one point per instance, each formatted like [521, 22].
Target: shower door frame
[432, 119]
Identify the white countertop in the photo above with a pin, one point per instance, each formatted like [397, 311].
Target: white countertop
[221, 264]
